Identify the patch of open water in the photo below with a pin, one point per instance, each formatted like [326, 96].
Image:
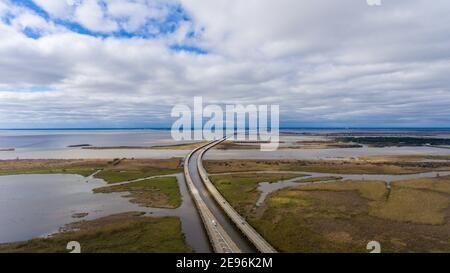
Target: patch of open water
[40, 204]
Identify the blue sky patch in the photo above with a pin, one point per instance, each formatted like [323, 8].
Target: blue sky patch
[32, 6]
[7, 18]
[33, 88]
[189, 49]
[152, 29]
[168, 25]
[32, 33]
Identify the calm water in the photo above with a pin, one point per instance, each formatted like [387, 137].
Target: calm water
[51, 144]
[324, 153]
[78, 153]
[37, 205]
[52, 139]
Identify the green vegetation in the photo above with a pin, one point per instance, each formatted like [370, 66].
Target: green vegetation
[81, 170]
[422, 200]
[241, 190]
[400, 158]
[323, 145]
[116, 233]
[116, 148]
[112, 171]
[252, 145]
[319, 179]
[121, 233]
[115, 176]
[438, 184]
[396, 141]
[370, 190]
[345, 216]
[285, 221]
[324, 166]
[185, 146]
[162, 192]
[233, 145]
[81, 167]
[414, 206]
[129, 169]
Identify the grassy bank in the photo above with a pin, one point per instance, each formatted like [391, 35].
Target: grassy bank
[185, 146]
[241, 190]
[324, 166]
[131, 169]
[345, 216]
[84, 171]
[421, 201]
[120, 233]
[401, 158]
[319, 179]
[323, 145]
[160, 192]
[43, 166]
[237, 145]
[384, 141]
[112, 171]
[233, 145]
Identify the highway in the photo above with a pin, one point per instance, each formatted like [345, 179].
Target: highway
[246, 229]
[227, 230]
[223, 235]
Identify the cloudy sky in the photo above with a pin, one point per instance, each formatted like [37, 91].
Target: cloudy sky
[125, 63]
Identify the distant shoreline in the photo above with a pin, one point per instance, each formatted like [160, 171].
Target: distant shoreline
[281, 129]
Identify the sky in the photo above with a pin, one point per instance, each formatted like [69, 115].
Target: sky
[126, 63]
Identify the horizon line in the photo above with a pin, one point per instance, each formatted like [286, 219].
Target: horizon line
[169, 128]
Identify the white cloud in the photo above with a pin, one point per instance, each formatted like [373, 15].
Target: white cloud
[56, 8]
[136, 13]
[107, 15]
[329, 62]
[91, 15]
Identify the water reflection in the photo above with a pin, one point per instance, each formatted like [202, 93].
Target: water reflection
[37, 205]
[315, 154]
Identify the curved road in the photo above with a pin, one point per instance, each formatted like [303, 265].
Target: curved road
[219, 218]
[223, 235]
[250, 233]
